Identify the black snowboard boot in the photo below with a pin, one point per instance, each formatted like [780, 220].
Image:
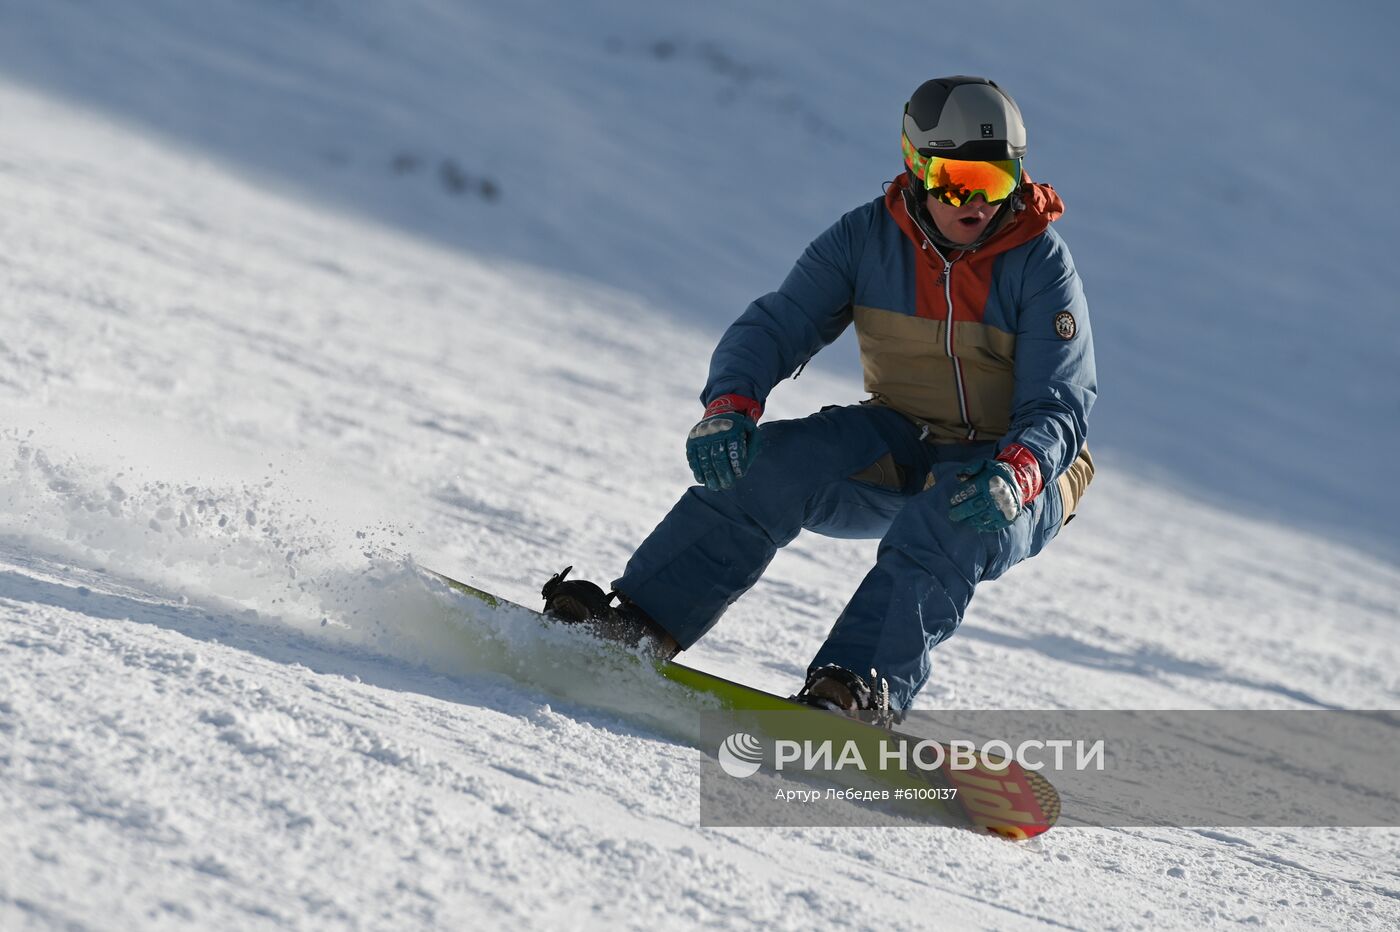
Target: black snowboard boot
[580, 602]
[837, 689]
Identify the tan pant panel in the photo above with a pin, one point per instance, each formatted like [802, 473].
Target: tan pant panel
[1074, 481]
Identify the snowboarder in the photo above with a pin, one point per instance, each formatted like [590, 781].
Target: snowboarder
[967, 457]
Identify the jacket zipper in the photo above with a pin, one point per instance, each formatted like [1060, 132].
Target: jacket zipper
[948, 339]
[957, 363]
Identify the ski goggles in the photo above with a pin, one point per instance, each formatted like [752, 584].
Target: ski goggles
[956, 181]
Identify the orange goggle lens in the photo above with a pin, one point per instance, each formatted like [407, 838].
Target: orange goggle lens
[955, 182]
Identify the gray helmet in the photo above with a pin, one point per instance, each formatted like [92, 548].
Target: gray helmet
[962, 117]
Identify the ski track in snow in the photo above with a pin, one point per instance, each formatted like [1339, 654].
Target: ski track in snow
[232, 424]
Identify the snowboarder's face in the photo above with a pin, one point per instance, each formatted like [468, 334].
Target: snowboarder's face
[962, 225]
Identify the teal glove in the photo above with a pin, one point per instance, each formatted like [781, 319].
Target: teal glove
[995, 492]
[987, 499]
[724, 443]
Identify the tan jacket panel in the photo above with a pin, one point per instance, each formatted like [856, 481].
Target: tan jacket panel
[908, 368]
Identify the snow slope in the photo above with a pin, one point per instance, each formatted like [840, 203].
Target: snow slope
[1236, 260]
[235, 408]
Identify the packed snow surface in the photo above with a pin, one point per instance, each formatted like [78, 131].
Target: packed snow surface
[299, 298]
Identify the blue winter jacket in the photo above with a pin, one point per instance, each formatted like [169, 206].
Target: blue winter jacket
[992, 344]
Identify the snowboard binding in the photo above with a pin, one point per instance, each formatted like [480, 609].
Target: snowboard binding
[837, 689]
[580, 602]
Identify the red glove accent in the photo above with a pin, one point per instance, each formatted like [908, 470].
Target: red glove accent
[1027, 469]
[737, 404]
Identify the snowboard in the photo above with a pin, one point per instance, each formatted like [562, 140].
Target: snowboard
[1002, 799]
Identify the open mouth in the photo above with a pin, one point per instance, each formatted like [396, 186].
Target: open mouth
[970, 222]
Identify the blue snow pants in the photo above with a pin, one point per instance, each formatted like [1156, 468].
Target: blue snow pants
[713, 546]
